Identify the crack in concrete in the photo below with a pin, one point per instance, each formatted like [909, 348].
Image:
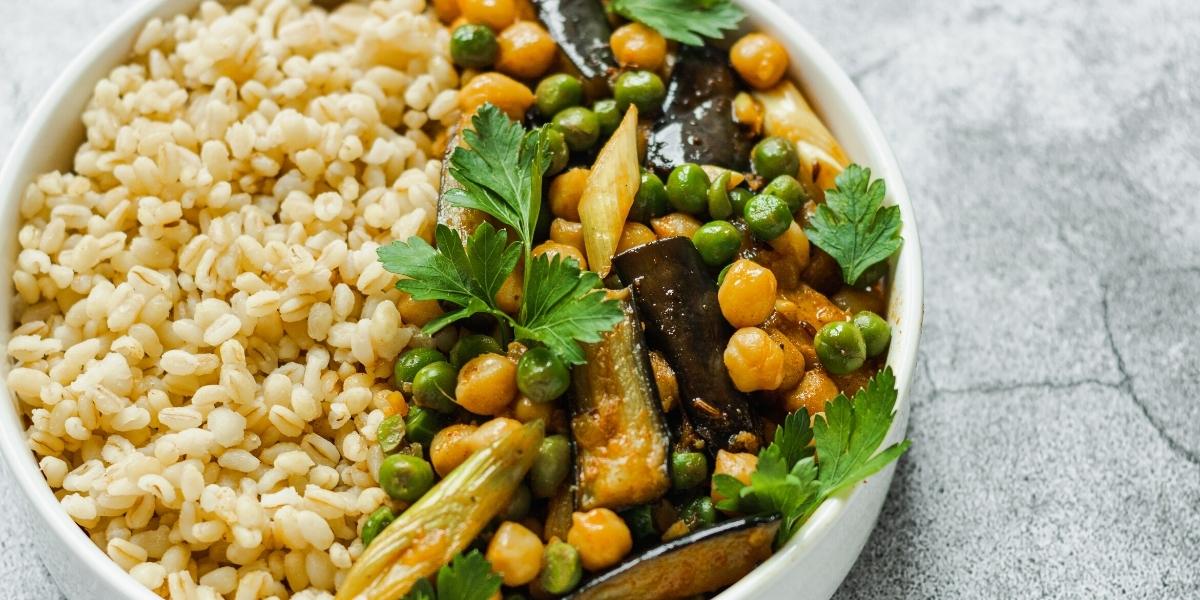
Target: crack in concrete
[1126, 386]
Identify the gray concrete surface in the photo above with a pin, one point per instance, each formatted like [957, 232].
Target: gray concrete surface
[1053, 153]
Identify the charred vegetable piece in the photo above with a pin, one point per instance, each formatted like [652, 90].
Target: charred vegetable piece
[678, 300]
[581, 30]
[445, 520]
[462, 220]
[702, 562]
[622, 445]
[696, 125]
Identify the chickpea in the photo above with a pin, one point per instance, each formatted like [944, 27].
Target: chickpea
[760, 59]
[489, 432]
[601, 537]
[556, 249]
[508, 94]
[496, 14]
[639, 47]
[815, 389]
[450, 447]
[508, 299]
[747, 295]
[633, 235]
[738, 465]
[754, 360]
[515, 553]
[487, 384]
[418, 312]
[747, 111]
[526, 410]
[793, 360]
[567, 232]
[526, 50]
[446, 10]
[793, 244]
[675, 224]
[565, 192]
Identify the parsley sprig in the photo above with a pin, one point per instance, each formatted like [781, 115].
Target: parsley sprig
[684, 21]
[467, 577]
[806, 465]
[500, 170]
[853, 226]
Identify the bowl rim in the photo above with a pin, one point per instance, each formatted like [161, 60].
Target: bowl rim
[90, 65]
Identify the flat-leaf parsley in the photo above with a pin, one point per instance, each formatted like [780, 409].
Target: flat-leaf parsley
[853, 226]
[684, 21]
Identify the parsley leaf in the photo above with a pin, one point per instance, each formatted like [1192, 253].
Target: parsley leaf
[468, 276]
[684, 21]
[853, 226]
[563, 306]
[467, 577]
[500, 171]
[792, 482]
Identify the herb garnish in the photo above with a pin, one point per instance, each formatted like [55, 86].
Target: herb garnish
[853, 226]
[793, 481]
[467, 577]
[682, 20]
[501, 174]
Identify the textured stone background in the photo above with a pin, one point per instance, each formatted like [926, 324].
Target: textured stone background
[1053, 153]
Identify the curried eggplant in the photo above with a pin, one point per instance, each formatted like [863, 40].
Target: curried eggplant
[462, 220]
[622, 444]
[678, 300]
[697, 124]
[581, 30]
[697, 563]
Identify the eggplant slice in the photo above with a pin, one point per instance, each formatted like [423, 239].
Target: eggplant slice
[462, 220]
[622, 444]
[677, 298]
[581, 30]
[697, 563]
[697, 121]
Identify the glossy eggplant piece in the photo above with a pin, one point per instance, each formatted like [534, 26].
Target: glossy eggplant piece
[622, 444]
[462, 220]
[677, 299]
[697, 563]
[581, 30]
[697, 121]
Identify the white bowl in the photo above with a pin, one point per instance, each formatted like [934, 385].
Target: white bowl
[811, 566]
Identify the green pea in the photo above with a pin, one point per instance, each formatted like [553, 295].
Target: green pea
[738, 198]
[688, 470]
[518, 505]
[433, 387]
[472, 345]
[651, 199]
[579, 127]
[390, 433]
[767, 216]
[421, 425]
[559, 153]
[775, 156]
[404, 477]
[541, 375]
[699, 513]
[557, 92]
[376, 523]
[717, 242]
[687, 189]
[721, 275]
[608, 114]
[875, 331]
[840, 347]
[561, 569]
[551, 467]
[640, 520]
[414, 360]
[787, 188]
[642, 89]
[719, 206]
[473, 46]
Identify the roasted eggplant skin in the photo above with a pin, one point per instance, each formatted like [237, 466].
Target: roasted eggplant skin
[581, 30]
[622, 444]
[697, 122]
[697, 563]
[677, 300]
